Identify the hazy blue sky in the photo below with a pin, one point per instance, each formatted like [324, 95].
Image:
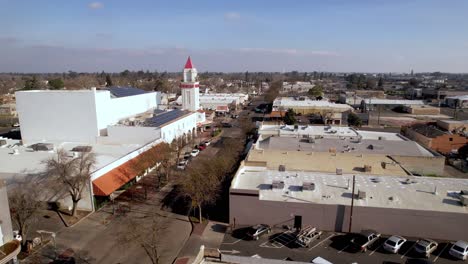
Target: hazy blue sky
[254, 35]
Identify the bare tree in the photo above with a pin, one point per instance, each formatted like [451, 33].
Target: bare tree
[146, 235]
[71, 173]
[24, 204]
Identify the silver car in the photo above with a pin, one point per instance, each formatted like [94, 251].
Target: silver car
[256, 231]
[459, 250]
[426, 247]
[394, 243]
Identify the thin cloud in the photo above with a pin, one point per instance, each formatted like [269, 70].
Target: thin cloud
[290, 51]
[95, 5]
[232, 16]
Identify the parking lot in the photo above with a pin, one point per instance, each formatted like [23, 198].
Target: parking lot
[335, 247]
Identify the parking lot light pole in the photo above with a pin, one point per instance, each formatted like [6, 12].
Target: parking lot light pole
[352, 205]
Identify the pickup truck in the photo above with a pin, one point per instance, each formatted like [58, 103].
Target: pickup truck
[365, 239]
[307, 235]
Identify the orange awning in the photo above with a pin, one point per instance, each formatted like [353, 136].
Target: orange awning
[114, 179]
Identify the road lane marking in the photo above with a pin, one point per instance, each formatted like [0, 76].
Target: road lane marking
[437, 257]
[409, 249]
[232, 243]
[322, 241]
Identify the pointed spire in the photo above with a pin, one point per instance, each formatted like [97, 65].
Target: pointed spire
[188, 64]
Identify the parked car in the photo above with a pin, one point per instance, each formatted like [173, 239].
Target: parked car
[182, 164]
[426, 247]
[207, 143]
[225, 124]
[187, 155]
[201, 147]
[307, 235]
[365, 239]
[394, 243]
[234, 116]
[459, 250]
[194, 152]
[256, 231]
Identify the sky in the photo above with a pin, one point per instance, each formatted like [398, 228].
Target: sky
[234, 36]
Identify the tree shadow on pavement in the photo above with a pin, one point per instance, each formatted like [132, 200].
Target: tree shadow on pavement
[176, 202]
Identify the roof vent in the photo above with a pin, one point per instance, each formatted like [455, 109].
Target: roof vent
[339, 171]
[367, 168]
[308, 186]
[3, 142]
[277, 184]
[375, 147]
[361, 195]
[282, 168]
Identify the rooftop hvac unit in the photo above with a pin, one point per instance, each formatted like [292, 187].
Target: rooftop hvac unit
[277, 185]
[339, 171]
[3, 142]
[375, 147]
[282, 168]
[308, 186]
[367, 168]
[42, 147]
[361, 195]
[464, 200]
[82, 149]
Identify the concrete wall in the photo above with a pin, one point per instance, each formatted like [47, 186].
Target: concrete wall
[247, 209]
[111, 110]
[57, 116]
[77, 116]
[6, 232]
[415, 136]
[130, 135]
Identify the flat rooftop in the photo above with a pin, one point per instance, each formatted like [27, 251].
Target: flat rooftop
[378, 101]
[326, 132]
[28, 161]
[385, 192]
[364, 146]
[307, 103]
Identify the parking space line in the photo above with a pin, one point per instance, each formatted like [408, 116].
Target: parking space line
[343, 249]
[321, 242]
[375, 249]
[437, 257]
[410, 249]
[232, 243]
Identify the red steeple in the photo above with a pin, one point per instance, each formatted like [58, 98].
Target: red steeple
[188, 64]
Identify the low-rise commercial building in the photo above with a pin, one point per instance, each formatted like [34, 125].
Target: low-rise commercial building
[434, 137]
[421, 110]
[306, 106]
[407, 206]
[460, 101]
[371, 104]
[212, 101]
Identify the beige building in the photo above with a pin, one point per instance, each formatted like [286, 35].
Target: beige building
[306, 106]
[8, 110]
[421, 110]
[453, 125]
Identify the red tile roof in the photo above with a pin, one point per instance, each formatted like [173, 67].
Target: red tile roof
[188, 64]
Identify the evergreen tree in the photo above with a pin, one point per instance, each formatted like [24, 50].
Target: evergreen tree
[289, 117]
[108, 80]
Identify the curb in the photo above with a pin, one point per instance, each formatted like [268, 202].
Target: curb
[77, 222]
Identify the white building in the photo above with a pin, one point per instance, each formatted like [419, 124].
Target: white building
[79, 116]
[190, 88]
[460, 101]
[306, 106]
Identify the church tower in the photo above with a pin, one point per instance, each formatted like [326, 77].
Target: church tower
[190, 88]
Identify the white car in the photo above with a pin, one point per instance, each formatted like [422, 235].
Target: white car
[182, 164]
[194, 152]
[394, 243]
[207, 143]
[459, 250]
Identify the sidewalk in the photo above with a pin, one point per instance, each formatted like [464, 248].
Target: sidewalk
[95, 239]
[211, 237]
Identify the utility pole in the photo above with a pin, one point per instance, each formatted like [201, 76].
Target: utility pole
[352, 205]
[378, 116]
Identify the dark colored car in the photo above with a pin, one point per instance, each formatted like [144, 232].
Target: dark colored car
[224, 124]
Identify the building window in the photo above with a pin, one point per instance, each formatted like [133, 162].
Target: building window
[450, 139]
